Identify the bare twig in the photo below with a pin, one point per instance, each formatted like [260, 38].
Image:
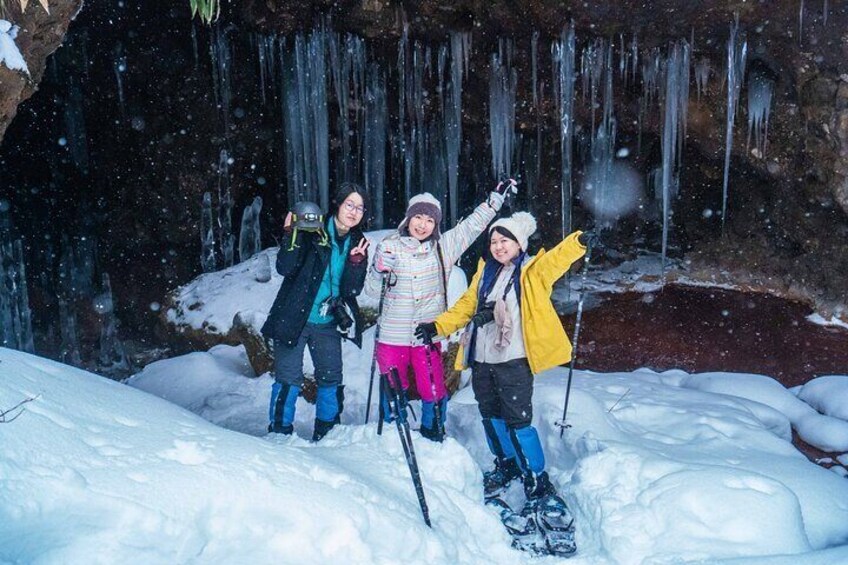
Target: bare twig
[4, 415]
[626, 392]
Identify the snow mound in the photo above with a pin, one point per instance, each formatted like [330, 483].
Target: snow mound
[828, 395]
[96, 471]
[654, 471]
[824, 432]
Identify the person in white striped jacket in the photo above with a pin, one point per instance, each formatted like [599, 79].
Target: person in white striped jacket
[418, 260]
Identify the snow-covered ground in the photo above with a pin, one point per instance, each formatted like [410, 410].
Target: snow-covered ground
[657, 467]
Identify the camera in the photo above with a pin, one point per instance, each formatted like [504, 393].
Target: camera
[334, 306]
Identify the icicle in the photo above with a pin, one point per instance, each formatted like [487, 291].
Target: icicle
[736, 54]
[69, 348]
[207, 235]
[593, 63]
[683, 99]
[534, 48]
[674, 120]
[760, 93]
[374, 142]
[460, 42]
[120, 68]
[7, 326]
[703, 68]
[15, 313]
[402, 58]
[75, 125]
[265, 51]
[563, 60]
[824, 13]
[347, 69]
[634, 55]
[306, 120]
[502, 84]
[250, 237]
[194, 46]
[801, 23]
[26, 342]
[622, 60]
[226, 238]
[112, 355]
[598, 186]
[219, 52]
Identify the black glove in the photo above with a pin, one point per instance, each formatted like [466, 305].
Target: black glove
[485, 315]
[426, 332]
[588, 239]
[507, 185]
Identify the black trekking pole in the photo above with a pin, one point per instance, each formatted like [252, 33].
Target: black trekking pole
[586, 260]
[393, 391]
[384, 287]
[437, 407]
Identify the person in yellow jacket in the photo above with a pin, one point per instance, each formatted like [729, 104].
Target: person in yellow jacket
[512, 332]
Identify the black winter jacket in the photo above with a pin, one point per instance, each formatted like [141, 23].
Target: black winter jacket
[303, 268]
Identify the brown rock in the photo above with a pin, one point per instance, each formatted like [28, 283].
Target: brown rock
[40, 34]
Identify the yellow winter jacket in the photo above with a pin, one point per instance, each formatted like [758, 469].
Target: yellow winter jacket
[545, 340]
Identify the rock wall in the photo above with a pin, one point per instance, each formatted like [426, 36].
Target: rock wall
[787, 220]
[40, 34]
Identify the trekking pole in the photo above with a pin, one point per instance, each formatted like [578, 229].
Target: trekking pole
[397, 400]
[586, 260]
[437, 407]
[383, 288]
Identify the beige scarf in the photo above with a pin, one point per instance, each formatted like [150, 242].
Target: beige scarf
[503, 322]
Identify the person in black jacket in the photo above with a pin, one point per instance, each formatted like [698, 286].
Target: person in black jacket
[324, 272]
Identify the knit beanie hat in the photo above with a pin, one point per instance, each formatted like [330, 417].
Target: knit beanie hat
[521, 224]
[427, 204]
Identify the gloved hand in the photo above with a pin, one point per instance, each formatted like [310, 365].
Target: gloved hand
[496, 200]
[485, 315]
[588, 239]
[504, 189]
[508, 185]
[426, 332]
[385, 261]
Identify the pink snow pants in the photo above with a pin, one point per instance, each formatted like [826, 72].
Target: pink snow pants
[400, 356]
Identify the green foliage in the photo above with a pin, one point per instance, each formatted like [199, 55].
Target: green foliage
[208, 10]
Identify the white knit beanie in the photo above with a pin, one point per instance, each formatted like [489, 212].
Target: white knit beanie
[521, 224]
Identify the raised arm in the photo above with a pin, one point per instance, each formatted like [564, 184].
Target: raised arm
[455, 241]
[551, 265]
[290, 257]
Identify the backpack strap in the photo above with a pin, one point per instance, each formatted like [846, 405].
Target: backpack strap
[442, 273]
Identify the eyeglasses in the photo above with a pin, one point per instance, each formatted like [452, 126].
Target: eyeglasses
[350, 207]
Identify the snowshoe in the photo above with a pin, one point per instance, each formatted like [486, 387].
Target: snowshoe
[523, 529]
[555, 523]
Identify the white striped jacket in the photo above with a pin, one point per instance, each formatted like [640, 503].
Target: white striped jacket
[419, 294]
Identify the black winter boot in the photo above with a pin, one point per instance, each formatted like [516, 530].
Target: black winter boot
[321, 429]
[496, 480]
[277, 428]
[538, 486]
[433, 433]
